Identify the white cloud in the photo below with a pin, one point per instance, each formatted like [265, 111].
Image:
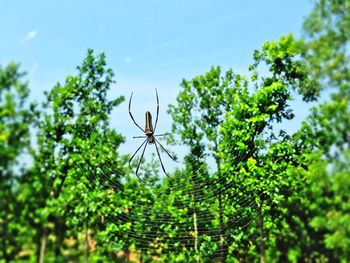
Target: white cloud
[128, 60]
[30, 35]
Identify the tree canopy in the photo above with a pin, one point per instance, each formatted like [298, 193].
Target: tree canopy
[250, 189]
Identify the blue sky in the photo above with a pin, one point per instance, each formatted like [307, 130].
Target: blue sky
[148, 44]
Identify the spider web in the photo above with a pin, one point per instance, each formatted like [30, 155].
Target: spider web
[149, 223]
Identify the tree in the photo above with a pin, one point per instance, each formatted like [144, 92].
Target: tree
[183, 208]
[201, 106]
[258, 161]
[217, 112]
[76, 159]
[327, 36]
[326, 130]
[15, 120]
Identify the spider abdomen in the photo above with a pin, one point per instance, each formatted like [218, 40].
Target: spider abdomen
[149, 126]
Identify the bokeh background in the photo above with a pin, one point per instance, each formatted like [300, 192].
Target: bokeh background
[256, 98]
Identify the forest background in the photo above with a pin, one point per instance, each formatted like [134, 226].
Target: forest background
[253, 183]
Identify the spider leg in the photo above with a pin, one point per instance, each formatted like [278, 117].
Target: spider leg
[137, 151]
[164, 134]
[138, 166]
[172, 158]
[155, 124]
[140, 137]
[160, 159]
[132, 116]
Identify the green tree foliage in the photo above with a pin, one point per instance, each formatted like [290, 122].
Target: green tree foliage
[76, 160]
[219, 113]
[271, 197]
[327, 36]
[184, 211]
[134, 220]
[14, 138]
[200, 108]
[260, 162]
[326, 130]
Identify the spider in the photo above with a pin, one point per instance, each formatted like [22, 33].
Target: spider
[150, 136]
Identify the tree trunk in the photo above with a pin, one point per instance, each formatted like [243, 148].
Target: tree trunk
[222, 230]
[4, 252]
[195, 226]
[195, 231]
[127, 253]
[43, 241]
[262, 232]
[59, 233]
[221, 214]
[86, 254]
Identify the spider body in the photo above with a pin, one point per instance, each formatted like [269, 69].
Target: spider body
[149, 135]
[149, 127]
